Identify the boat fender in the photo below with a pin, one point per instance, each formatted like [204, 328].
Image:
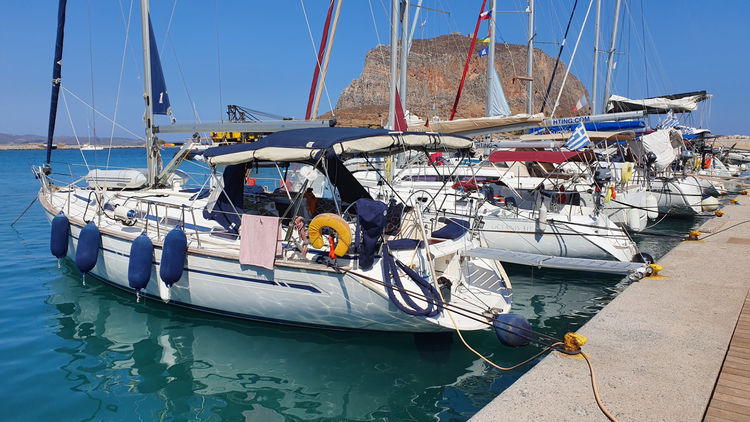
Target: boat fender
[335, 222]
[173, 256]
[634, 219]
[643, 257]
[141, 262]
[710, 204]
[609, 195]
[60, 235]
[652, 205]
[87, 251]
[512, 330]
[626, 173]
[543, 214]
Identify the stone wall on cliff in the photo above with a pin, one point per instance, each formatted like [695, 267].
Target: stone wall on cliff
[434, 72]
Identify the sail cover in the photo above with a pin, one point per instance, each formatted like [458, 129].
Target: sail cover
[679, 103]
[498, 103]
[158, 85]
[665, 143]
[309, 144]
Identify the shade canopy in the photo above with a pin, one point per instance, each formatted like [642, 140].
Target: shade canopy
[556, 157]
[309, 144]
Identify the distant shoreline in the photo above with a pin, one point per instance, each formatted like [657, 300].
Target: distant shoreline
[22, 147]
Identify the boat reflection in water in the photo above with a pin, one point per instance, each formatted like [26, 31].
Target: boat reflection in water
[160, 361]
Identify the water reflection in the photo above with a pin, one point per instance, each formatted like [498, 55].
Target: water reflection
[159, 361]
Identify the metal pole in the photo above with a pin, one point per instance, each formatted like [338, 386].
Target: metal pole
[414, 25]
[610, 56]
[594, 82]
[149, 115]
[404, 53]
[491, 56]
[394, 65]
[530, 62]
[325, 62]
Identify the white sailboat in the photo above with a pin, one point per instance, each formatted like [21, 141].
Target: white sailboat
[139, 230]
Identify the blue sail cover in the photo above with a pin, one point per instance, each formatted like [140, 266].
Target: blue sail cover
[498, 103]
[158, 85]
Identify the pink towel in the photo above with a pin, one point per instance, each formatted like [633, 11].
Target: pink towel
[260, 240]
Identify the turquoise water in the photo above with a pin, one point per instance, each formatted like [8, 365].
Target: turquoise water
[91, 352]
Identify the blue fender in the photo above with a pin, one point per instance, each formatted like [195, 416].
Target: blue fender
[60, 235]
[512, 329]
[141, 262]
[89, 243]
[173, 256]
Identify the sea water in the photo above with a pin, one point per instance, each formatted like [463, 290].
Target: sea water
[73, 351]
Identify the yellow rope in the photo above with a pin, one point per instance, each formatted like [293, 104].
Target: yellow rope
[596, 391]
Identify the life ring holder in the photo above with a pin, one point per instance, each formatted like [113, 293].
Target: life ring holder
[332, 221]
[626, 173]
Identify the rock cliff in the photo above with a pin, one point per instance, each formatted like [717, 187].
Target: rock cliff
[434, 73]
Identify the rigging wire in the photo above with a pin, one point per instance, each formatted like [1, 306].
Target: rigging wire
[139, 137]
[119, 82]
[91, 70]
[218, 63]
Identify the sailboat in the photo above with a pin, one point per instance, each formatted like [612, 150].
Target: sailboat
[272, 255]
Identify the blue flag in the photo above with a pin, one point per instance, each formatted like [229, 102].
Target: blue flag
[578, 139]
[484, 51]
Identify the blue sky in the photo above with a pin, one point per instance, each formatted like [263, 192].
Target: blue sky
[267, 56]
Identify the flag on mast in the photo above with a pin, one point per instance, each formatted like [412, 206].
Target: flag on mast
[582, 102]
[578, 139]
[484, 51]
[485, 15]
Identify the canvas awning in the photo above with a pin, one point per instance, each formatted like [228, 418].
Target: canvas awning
[309, 144]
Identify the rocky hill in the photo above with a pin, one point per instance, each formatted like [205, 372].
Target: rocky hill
[434, 73]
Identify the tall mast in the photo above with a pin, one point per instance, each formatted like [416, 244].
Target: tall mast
[152, 149]
[394, 65]
[610, 56]
[56, 80]
[594, 82]
[530, 62]
[404, 52]
[490, 56]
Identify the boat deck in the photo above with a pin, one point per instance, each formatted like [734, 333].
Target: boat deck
[731, 398]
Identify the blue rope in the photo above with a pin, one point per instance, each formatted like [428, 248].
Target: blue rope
[391, 278]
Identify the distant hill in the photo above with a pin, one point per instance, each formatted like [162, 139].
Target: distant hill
[7, 138]
[434, 72]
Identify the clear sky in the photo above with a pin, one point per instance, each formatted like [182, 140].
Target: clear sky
[267, 56]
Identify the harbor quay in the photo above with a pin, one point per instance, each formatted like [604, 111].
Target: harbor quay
[659, 347]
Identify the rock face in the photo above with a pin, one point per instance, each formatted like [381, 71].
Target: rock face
[434, 73]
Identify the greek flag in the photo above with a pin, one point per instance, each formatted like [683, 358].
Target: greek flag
[578, 139]
[670, 121]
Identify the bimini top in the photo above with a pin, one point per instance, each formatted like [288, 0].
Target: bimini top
[308, 144]
[555, 157]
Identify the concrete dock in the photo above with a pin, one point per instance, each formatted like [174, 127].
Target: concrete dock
[658, 348]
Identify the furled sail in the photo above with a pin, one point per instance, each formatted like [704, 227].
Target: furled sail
[158, 85]
[498, 103]
[56, 77]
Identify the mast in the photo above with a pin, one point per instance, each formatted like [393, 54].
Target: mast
[491, 56]
[610, 56]
[394, 65]
[152, 149]
[530, 62]
[56, 79]
[316, 73]
[324, 71]
[596, 57]
[404, 52]
[414, 25]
